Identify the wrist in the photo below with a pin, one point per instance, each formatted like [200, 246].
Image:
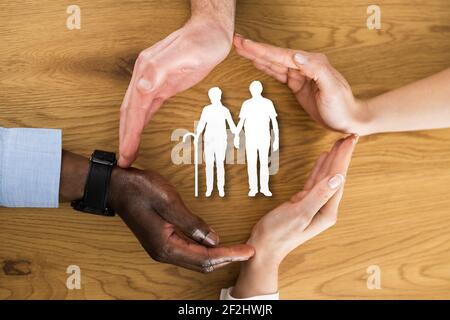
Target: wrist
[74, 171]
[116, 189]
[215, 18]
[364, 121]
[256, 277]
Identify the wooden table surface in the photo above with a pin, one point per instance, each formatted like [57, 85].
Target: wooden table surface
[396, 209]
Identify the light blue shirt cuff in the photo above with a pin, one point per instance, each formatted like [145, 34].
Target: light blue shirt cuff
[30, 167]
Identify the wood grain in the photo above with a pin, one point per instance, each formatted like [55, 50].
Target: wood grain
[395, 212]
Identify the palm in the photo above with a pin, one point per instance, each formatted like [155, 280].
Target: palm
[327, 109]
[170, 66]
[320, 89]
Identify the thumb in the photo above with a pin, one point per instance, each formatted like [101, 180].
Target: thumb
[319, 195]
[176, 212]
[316, 67]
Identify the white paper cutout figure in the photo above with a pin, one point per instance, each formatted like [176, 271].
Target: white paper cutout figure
[255, 116]
[213, 122]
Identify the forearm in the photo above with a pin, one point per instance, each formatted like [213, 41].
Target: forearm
[258, 276]
[421, 105]
[218, 11]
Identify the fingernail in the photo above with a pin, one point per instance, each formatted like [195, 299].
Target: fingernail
[144, 85]
[300, 59]
[355, 138]
[238, 35]
[336, 181]
[211, 239]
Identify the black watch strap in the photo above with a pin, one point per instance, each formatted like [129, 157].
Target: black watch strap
[96, 190]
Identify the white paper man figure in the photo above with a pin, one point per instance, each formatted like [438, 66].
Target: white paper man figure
[215, 138]
[255, 116]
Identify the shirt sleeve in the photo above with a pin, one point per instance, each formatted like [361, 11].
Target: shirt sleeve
[30, 167]
[225, 294]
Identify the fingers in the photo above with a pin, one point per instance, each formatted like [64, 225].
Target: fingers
[282, 77]
[277, 61]
[319, 195]
[311, 178]
[341, 164]
[171, 208]
[254, 50]
[315, 66]
[325, 169]
[343, 156]
[196, 257]
[327, 216]
[315, 171]
[134, 126]
[323, 189]
[139, 105]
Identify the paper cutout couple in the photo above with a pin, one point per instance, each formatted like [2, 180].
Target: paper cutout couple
[255, 117]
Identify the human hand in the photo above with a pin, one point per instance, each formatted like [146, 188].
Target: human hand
[155, 212]
[170, 66]
[165, 227]
[309, 212]
[319, 88]
[236, 141]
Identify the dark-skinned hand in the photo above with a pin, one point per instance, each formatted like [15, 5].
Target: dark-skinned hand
[156, 214]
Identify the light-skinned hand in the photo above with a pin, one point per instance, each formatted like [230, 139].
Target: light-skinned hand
[170, 66]
[308, 213]
[319, 88]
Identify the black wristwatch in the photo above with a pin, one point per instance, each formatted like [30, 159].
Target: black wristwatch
[96, 190]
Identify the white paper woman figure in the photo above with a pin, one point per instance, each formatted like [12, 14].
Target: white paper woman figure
[255, 116]
[213, 121]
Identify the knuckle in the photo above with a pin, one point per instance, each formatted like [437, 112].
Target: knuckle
[143, 56]
[158, 256]
[168, 195]
[320, 69]
[321, 57]
[206, 266]
[163, 253]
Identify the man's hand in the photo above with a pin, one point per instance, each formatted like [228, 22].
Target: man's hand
[172, 65]
[319, 88]
[156, 214]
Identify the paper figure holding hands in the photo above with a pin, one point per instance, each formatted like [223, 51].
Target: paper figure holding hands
[213, 120]
[255, 116]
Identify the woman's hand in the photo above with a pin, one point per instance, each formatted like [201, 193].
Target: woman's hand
[308, 213]
[170, 66]
[319, 88]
